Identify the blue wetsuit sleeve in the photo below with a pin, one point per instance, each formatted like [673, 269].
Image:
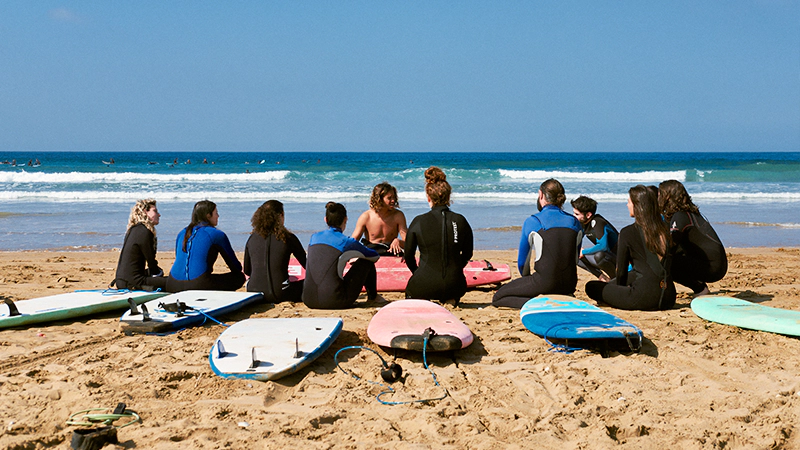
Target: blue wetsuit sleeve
[227, 252]
[602, 244]
[352, 244]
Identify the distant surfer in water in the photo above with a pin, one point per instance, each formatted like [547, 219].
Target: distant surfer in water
[139, 250]
[699, 254]
[196, 249]
[645, 244]
[382, 225]
[267, 253]
[602, 256]
[548, 251]
[445, 245]
[325, 287]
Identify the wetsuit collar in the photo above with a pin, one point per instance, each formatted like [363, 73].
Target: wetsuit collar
[440, 208]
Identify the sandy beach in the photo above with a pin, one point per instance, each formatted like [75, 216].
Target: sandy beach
[695, 384]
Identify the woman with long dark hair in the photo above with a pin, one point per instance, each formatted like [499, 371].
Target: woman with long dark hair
[139, 250]
[445, 245]
[645, 245]
[267, 253]
[699, 256]
[196, 250]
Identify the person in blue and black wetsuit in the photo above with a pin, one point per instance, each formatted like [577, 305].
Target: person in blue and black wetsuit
[196, 250]
[548, 251]
[324, 286]
[602, 256]
[445, 246]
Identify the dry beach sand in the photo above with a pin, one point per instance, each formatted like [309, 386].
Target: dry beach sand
[694, 385]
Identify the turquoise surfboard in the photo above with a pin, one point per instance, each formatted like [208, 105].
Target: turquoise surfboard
[744, 314]
[564, 317]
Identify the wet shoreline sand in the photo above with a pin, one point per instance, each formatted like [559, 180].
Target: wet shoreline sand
[694, 385]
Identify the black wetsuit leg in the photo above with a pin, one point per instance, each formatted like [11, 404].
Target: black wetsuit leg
[597, 263]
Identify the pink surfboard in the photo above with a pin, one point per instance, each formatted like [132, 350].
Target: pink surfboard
[393, 275]
[402, 324]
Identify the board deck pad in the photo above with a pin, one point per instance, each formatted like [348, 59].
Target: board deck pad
[744, 314]
[162, 314]
[402, 323]
[567, 318]
[70, 305]
[268, 349]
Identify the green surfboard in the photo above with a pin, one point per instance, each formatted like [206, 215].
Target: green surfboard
[744, 314]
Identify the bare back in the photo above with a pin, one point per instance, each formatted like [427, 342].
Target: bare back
[381, 228]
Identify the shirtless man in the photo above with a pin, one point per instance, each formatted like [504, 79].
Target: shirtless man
[383, 225]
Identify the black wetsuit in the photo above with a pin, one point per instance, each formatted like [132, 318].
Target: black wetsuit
[323, 288]
[648, 287]
[445, 245]
[602, 257]
[552, 239]
[699, 254]
[139, 250]
[266, 261]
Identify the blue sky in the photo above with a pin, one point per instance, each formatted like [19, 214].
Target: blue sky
[400, 76]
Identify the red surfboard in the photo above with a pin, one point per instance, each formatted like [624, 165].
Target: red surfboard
[393, 274]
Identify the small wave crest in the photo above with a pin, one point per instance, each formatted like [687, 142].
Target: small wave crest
[127, 177]
[649, 176]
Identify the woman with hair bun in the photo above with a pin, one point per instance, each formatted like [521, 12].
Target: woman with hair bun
[645, 244]
[196, 249]
[699, 254]
[445, 245]
[139, 250]
[267, 253]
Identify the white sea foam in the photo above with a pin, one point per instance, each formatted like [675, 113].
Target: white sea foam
[126, 177]
[650, 176]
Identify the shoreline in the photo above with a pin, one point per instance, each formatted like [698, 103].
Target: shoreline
[696, 384]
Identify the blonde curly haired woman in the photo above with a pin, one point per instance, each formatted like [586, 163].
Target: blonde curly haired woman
[139, 250]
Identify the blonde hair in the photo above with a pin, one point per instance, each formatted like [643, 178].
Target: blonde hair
[139, 214]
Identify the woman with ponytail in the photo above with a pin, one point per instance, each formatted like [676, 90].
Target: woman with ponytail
[445, 245]
[139, 250]
[267, 253]
[645, 245]
[196, 250]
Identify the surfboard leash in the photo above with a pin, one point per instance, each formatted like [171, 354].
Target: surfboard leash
[392, 372]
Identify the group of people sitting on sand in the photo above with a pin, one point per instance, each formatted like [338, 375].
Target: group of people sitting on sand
[668, 241]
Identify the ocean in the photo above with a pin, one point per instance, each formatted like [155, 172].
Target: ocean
[79, 201]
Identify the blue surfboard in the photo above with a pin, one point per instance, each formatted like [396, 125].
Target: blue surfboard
[567, 318]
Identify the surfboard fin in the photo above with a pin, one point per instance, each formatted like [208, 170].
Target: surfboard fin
[221, 353]
[145, 314]
[297, 352]
[489, 266]
[255, 362]
[12, 308]
[134, 309]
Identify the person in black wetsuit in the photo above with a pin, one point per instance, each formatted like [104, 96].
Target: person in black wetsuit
[699, 256]
[139, 250]
[324, 286]
[645, 245]
[267, 253]
[445, 246]
[602, 256]
[548, 251]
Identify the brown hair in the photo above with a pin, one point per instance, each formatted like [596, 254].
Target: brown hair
[553, 192]
[335, 214]
[437, 187]
[200, 213]
[266, 220]
[379, 191]
[672, 197]
[645, 212]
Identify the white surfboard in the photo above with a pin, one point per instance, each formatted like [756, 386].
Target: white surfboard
[69, 305]
[268, 349]
[184, 309]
